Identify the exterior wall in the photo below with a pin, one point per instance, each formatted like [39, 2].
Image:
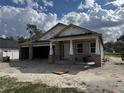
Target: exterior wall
[86, 50]
[77, 56]
[57, 50]
[12, 53]
[86, 56]
[62, 50]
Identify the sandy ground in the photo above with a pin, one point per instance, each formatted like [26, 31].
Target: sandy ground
[109, 77]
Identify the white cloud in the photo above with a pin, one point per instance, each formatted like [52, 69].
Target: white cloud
[108, 22]
[14, 20]
[74, 17]
[30, 3]
[19, 1]
[116, 3]
[111, 33]
[35, 4]
[86, 4]
[48, 3]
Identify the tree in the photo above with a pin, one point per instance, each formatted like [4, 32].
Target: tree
[109, 46]
[34, 32]
[117, 46]
[10, 38]
[32, 29]
[21, 39]
[121, 38]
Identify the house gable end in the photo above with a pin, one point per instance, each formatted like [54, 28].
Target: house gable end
[53, 31]
[72, 30]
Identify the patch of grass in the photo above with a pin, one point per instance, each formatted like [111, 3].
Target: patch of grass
[112, 54]
[7, 83]
[10, 85]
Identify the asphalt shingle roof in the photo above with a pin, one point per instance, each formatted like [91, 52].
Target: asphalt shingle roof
[6, 43]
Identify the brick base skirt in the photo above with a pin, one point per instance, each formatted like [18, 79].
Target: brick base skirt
[51, 59]
[97, 59]
[71, 59]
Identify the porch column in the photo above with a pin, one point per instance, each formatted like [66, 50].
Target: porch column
[51, 55]
[51, 49]
[97, 57]
[71, 48]
[30, 52]
[71, 53]
[97, 47]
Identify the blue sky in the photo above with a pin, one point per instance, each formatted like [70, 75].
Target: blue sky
[103, 16]
[60, 7]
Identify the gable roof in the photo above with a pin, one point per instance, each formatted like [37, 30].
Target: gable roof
[53, 31]
[78, 31]
[59, 30]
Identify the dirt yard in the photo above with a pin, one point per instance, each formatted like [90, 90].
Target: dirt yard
[109, 77]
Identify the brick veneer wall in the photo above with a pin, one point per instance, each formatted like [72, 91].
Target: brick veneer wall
[71, 59]
[51, 59]
[97, 60]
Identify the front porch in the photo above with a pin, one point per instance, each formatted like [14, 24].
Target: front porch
[41, 66]
[76, 50]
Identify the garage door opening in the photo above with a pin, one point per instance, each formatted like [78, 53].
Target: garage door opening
[24, 53]
[41, 52]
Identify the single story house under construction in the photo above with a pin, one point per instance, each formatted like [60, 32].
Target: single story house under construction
[65, 42]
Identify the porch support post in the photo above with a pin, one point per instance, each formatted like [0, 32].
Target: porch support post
[30, 52]
[51, 55]
[71, 53]
[97, 47]
[51, 49]
[71, 48]
[97, 57]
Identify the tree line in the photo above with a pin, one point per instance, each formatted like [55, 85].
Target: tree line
[34, 34]
[117, 47]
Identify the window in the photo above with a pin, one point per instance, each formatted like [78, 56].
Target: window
[93, 47]
[80, 48]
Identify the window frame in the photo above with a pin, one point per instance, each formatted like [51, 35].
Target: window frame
[91, 47]
[77, 48]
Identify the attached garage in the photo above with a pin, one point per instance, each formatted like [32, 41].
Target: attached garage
[24, 53]
[40, 52]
